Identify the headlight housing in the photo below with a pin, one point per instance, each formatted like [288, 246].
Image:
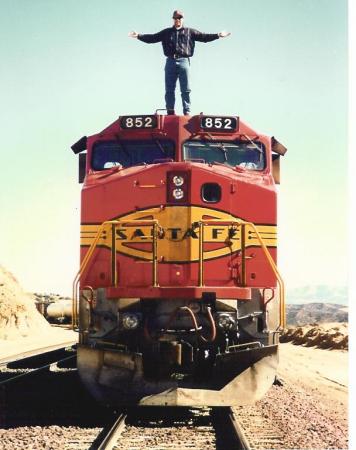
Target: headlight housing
[178, 180]
[226, 322]
[178, 186]
[130, 321]
[178, 194]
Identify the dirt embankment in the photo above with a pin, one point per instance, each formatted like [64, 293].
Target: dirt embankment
[328, 336]
[316, 312]
[18, 314]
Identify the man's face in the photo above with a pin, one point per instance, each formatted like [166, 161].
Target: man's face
[178, 22]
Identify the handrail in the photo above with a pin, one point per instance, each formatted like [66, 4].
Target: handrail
[80, 271]
[282, 308]
[155, 225]
[243, 224]
[114, 223]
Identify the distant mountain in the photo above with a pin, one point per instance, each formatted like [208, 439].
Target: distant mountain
[316, 313]
[318, 294]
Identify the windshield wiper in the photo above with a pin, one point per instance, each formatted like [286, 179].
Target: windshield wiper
[223, 149]
[160, 147]
[123, 147]
[252, 142]
[220, 145]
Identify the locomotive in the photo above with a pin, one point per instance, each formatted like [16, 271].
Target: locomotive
[178, 300]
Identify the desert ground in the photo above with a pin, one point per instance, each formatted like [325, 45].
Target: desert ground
[311, 411]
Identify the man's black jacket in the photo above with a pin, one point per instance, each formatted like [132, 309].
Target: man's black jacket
[179, 42]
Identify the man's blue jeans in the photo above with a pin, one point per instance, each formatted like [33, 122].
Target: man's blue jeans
[177, 69]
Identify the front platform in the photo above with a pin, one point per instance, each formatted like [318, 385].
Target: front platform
[240, 377]
[240, 293]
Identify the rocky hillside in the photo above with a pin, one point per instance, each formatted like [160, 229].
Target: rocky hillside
[323, 325]
[328, 336]
[304, 314]
[18, 314]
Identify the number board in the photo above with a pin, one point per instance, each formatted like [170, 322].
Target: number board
[134, 122]
[217, 123]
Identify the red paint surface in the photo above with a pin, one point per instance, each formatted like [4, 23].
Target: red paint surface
[248, 195]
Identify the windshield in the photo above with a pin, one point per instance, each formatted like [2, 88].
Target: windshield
[131, 153]
[249, 155]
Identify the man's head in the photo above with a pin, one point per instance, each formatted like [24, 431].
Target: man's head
[178, 18]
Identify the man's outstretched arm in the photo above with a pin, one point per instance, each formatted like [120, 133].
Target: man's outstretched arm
[205, 37]
[148, 38]
[223, 34]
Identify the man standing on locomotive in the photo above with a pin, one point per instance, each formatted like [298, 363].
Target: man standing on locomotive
[178, 46]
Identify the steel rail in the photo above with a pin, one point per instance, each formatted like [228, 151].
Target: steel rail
[36, 352]
[107, 438]
[237, 431]
[229, 434]
[34, 371]
[227, 426]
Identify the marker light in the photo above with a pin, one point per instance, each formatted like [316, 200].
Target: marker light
[130, 321]
[178, 180]
[178, 194]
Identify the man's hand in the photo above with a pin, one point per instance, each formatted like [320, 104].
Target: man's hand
[133, 34]
[223, 34]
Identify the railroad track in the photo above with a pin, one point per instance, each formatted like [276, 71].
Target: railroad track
[259, 431]
[173, 428]
[37, 352]
[186, 429]
[17, 368]
[36, 390]
[24, 375]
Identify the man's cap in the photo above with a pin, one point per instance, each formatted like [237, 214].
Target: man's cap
[177, 14]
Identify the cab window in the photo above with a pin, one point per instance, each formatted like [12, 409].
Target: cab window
[128, 153]
[249, 155]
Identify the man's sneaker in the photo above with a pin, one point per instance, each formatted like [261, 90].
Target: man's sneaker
[170, 112]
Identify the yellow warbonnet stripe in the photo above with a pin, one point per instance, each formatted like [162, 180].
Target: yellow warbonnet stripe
[180, 240]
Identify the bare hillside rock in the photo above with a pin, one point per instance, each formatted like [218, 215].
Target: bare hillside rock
[18, 314]
[328, 336]
[302, 314]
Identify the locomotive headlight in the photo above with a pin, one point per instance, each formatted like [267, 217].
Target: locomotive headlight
[225, 322]
[178, 186]
[178, 194]
[130, 321]
[178, 180]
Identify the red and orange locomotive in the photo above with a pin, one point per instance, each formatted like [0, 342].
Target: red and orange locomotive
[178, 299]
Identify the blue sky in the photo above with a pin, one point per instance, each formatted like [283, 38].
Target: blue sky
[69, 69]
